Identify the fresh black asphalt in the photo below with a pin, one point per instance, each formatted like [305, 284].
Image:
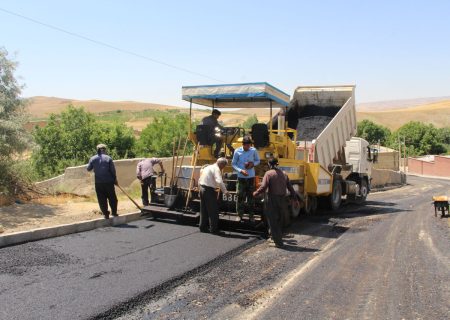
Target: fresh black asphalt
[84, 275]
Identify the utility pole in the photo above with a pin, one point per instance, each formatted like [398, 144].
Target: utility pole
[399, 154]
[404, 155]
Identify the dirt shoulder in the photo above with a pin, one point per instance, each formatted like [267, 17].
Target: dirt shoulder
[52, 211]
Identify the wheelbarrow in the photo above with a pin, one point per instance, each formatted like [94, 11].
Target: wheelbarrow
[441, 203]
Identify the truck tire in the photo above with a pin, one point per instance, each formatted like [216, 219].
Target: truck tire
[295, 210]
[364, 191]
[335, 198]
[311, 207]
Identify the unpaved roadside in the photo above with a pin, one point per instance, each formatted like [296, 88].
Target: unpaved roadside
[52, 211]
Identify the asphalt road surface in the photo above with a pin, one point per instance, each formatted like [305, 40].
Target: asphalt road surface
[94, 274]
[388, 259]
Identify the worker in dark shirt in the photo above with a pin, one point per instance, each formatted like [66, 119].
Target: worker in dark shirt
[276, 181]
[105, 179]
[212, 121]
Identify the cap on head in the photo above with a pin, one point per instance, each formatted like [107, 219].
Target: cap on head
[273, 162]
[101, 146]
[246, 140]
[215, 111]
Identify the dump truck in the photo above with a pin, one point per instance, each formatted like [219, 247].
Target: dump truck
[307, 134]
[325, 120]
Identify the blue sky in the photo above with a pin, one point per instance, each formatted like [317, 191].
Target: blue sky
[390, 49]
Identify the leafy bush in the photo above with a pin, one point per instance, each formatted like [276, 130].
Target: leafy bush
[70, 140]
[251, 120]
[157, 138]
[372, 132]
[420, 139]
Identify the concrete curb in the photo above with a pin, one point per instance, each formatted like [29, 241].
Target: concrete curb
[61, 230]
[387, 188]
[426, 176]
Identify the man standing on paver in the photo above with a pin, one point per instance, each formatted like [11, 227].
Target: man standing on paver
[276, 181]
[146, 175]
[210, 179]
[105, 179]
[245, 158]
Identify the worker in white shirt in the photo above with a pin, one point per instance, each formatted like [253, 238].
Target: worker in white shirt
[210, 179]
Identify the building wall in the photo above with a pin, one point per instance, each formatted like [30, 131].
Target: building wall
[440, 167]
[415, 166]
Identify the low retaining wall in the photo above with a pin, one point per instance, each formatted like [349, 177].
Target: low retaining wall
[77, 180]
[385, 177]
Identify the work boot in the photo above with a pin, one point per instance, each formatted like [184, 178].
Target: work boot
[106, 214]
[279, 245]
[115, 214]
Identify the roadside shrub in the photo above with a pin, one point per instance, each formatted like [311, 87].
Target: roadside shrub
[157, 138]
[70, 140]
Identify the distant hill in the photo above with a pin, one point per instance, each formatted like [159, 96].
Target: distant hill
[437, 113]
[397, 104]
[392, 114]
[41, 107]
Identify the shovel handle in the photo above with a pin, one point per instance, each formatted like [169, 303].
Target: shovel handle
[129, 197]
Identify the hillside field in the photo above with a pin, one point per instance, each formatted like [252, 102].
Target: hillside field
[139, 114]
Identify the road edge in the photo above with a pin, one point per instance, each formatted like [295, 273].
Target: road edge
[20, 237]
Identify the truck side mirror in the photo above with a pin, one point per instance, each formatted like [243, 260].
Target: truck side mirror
[372, 155]
[375, 156]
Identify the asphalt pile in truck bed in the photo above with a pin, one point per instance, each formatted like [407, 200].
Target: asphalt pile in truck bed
[309, 128]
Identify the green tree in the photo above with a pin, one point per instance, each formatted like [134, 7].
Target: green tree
[13, 137]
[250, 121]
[119, 138]
[157, 138]
[420, 139]
[373, 132]
[71, 138]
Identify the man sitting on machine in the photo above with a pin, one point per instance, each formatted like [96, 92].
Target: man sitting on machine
[212, 122]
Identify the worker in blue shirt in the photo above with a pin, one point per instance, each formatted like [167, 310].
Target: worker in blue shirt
[245, 158]
[105, 179]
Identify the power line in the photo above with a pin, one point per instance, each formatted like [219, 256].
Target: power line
[104, 44]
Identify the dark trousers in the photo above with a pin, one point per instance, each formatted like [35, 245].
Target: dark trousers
[147, 183]
[106, 192]
[218, 146]
[245, 188]
[209, 209]
[275, 208]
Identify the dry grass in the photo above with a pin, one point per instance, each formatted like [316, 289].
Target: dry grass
[42, 107]
[437, 114]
